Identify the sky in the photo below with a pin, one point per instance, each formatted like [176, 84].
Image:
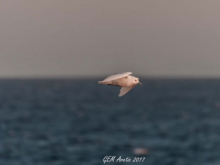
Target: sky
[89, 38]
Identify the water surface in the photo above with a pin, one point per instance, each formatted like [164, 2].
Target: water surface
[68, 122]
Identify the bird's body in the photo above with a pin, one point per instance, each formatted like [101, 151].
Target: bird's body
[123, 80]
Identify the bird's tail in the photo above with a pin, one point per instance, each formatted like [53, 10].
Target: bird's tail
[101, 82]
[104, 82]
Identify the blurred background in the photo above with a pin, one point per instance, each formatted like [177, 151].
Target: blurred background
[52, 111]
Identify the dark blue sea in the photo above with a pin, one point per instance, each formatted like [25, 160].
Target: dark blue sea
[78, 122]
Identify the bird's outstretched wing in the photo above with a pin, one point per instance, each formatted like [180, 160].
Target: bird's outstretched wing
[125, 90]
[117, 76]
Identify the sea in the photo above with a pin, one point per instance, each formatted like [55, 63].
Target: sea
[78, 122]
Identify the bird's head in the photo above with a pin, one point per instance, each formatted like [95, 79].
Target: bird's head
[136, 81]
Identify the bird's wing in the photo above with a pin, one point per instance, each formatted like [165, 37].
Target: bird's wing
[117, 76]
[125, 90]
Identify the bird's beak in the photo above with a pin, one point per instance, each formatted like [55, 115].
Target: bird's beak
[140, 83]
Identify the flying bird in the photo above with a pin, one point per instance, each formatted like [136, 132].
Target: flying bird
[123, 80]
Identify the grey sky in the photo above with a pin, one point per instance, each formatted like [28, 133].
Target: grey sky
[58, 38]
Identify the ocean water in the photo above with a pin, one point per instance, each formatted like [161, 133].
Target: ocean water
[78, 122]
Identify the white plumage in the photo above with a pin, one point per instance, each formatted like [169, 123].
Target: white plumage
[124, 80]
